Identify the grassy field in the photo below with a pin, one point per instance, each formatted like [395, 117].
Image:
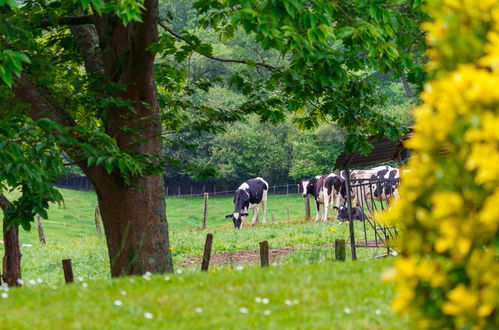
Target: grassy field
[323, 287]
[321, 296]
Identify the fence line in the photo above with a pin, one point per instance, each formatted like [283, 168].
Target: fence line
[189, 190]
[287, 189]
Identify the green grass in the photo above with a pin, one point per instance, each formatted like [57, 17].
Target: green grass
[323, 287]
[323, 294]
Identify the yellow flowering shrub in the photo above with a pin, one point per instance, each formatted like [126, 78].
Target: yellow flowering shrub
[447, 275]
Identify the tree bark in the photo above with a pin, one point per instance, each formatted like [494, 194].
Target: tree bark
[135, 225]
[11, 268]
[408, 90]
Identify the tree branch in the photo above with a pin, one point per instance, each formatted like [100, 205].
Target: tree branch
[68, 20]
[40, 104]
[4, 203]
[215, 58]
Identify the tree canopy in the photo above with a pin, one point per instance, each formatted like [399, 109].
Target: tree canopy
[100, 82]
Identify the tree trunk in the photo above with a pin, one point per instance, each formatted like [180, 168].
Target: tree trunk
[408, 90]
[135, 224]
[11, 267]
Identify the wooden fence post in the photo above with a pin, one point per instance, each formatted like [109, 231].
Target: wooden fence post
[264, 253]
[41, 233]
[340, 253]
[97, 221]
[68, 270]
[178, 191]
[207, 253]
[307, 208]
[166, 191]
[205, 215]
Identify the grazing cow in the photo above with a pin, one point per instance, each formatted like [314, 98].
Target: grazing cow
[249, 195]
[357, 213]
[326, 190]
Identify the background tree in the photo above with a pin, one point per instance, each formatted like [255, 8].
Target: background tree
[89, 68]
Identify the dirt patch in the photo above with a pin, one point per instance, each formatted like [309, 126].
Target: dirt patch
[238, 257]
[246, 257]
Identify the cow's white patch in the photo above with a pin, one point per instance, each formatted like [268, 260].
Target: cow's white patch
[305, 185]
[244, 186]
[266, 184]
[236, 215]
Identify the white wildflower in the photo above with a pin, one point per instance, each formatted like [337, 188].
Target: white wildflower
[258, 300]
[5, 295]
[265, 301]
[31, 282]
[239, 267]
[148, 315]
[198, 310]
[179, 271]
[84, 285]
[167, 278]
[123, 292]
[266, 312]
[243, 310]
[296, 301]
[288, 302]
[81, 279]
[347, 310]
[20, 281]
[118, 303]
[39, 280]
[147, 276]
[378, 312]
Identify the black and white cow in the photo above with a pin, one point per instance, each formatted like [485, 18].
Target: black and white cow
[249, 195]
[384, 185]
[357, 213]
[326, 190]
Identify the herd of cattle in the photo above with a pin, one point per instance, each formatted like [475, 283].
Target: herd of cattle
[329, 190]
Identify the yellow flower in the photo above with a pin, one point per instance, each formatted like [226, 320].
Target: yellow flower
[333, 230]
[172, 248]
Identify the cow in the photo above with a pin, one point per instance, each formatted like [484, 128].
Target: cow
[381, 184]
[326, 190]
[249, 195]
[357, 213]
[384, 185]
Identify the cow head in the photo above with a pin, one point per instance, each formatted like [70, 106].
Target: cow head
[342, 212]
[237, 218]
[308, 186]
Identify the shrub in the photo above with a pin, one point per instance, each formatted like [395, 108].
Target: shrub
[448, 273]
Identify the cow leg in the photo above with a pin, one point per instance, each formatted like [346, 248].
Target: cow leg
[326, 204]
[264, 206]
[317, 210]
[255, 215]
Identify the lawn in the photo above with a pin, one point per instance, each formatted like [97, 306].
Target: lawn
[308, 273]
[339, 295]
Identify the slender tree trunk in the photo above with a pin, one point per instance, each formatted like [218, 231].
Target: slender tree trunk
[11, 267]
[408, 90]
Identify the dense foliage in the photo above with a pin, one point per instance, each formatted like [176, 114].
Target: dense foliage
[448, 274]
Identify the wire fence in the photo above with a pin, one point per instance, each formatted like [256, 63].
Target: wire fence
[190, 191]
[82, 183]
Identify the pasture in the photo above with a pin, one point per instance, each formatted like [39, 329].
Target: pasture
[304, 271]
